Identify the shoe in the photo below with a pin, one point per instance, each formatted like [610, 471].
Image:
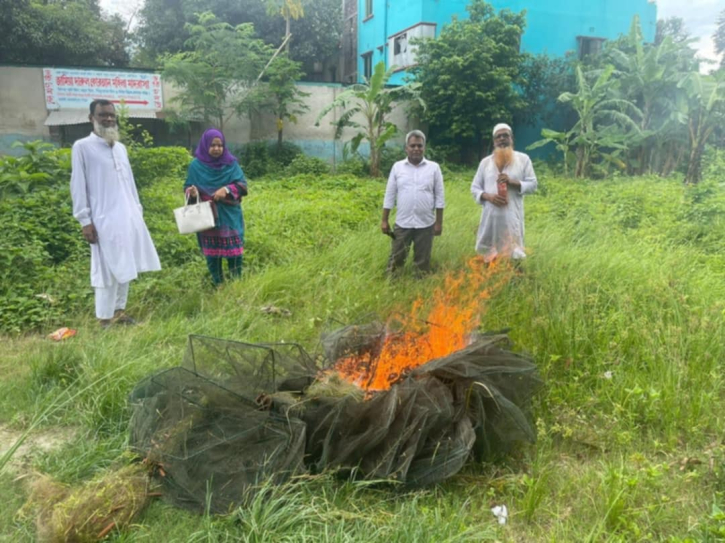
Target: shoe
[122, 318]
[105, 323]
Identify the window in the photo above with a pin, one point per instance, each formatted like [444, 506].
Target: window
[400, 44]
[367, 65]
[368, 8]
[401, 53]
[589, 46]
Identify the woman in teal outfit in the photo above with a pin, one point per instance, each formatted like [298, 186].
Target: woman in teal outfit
[215, 175]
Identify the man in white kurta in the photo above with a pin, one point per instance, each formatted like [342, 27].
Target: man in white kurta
[106, 204]
[502, 180]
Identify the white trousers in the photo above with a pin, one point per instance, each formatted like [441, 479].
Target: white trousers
[110, 299]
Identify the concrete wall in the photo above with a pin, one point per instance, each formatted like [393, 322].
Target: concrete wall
[22, 114]
[22, 107]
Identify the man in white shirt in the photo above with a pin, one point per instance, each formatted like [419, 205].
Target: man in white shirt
[502, 180]
[415, 185]
[106, 204]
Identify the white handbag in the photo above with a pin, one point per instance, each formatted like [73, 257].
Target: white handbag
[195, 217]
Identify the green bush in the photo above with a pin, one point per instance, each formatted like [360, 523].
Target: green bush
[40, 167]
[254, 158]
[44, 261]
[259, 158]
[307, 165]
[714, 165]
[42, 271]
[390, 156]
[149, 165]
[354, 166]
[284, 155]
[159, 201]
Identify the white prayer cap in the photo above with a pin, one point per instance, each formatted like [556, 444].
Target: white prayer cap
[501, 126]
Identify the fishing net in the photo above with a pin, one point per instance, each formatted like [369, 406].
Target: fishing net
[236, 414]
[210, 446]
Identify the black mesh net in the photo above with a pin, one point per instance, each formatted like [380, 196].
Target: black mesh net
[236, 414]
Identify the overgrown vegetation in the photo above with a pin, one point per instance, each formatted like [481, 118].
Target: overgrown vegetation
[641, 108]
[217, 72]
[70, 33]
[315, 36]
[467, 78]
[366, 110]
[620, 303]
[44, 267]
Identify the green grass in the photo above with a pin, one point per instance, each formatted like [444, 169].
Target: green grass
[621, 304]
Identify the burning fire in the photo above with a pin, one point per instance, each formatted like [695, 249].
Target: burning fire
[445, 328]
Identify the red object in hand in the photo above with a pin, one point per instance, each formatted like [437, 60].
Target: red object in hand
[503, 189]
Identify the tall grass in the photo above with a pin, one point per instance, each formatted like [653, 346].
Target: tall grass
[620, 302]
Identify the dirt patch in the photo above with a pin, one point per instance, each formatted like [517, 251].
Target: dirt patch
[41, 441]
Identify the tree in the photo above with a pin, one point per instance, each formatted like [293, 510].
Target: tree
[315, 37]
[216, 75]
[672, 27]
[467, 76]
[367, 108]
[544, 79]
[648, 76]
[161, 30]
[604, 128]
[705, 109]
[288, 9]
[719, 38]
[286, 98]
[71, 32]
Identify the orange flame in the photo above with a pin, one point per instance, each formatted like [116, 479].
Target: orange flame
[456, 311]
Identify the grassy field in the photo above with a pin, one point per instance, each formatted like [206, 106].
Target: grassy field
[621, 304]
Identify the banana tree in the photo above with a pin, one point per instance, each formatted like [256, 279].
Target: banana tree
[606, 126]
[704, 106]
[648, 76]
[367, 108]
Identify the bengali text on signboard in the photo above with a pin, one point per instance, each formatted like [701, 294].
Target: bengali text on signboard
[76, 88]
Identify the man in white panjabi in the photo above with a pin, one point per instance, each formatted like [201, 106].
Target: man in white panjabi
[502, 180]
[106, 204]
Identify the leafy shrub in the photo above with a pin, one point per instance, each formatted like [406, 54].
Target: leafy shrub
[354, 166]
[158, 201]
[254, 158]
[133, 136]
[259, 158]
[149, 165]
[284, 155]
[42, 166]
[42, 258]
[357, 164]
[714, 165]
[307, 165]
[388, 157]
[701, 217]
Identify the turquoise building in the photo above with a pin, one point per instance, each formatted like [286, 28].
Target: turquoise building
[554, 27]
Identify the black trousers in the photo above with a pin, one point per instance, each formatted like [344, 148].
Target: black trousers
[422, 241]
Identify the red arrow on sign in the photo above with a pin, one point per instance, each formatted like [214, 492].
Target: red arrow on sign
[141, 102]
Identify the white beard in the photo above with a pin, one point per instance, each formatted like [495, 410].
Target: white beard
[110, 134]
